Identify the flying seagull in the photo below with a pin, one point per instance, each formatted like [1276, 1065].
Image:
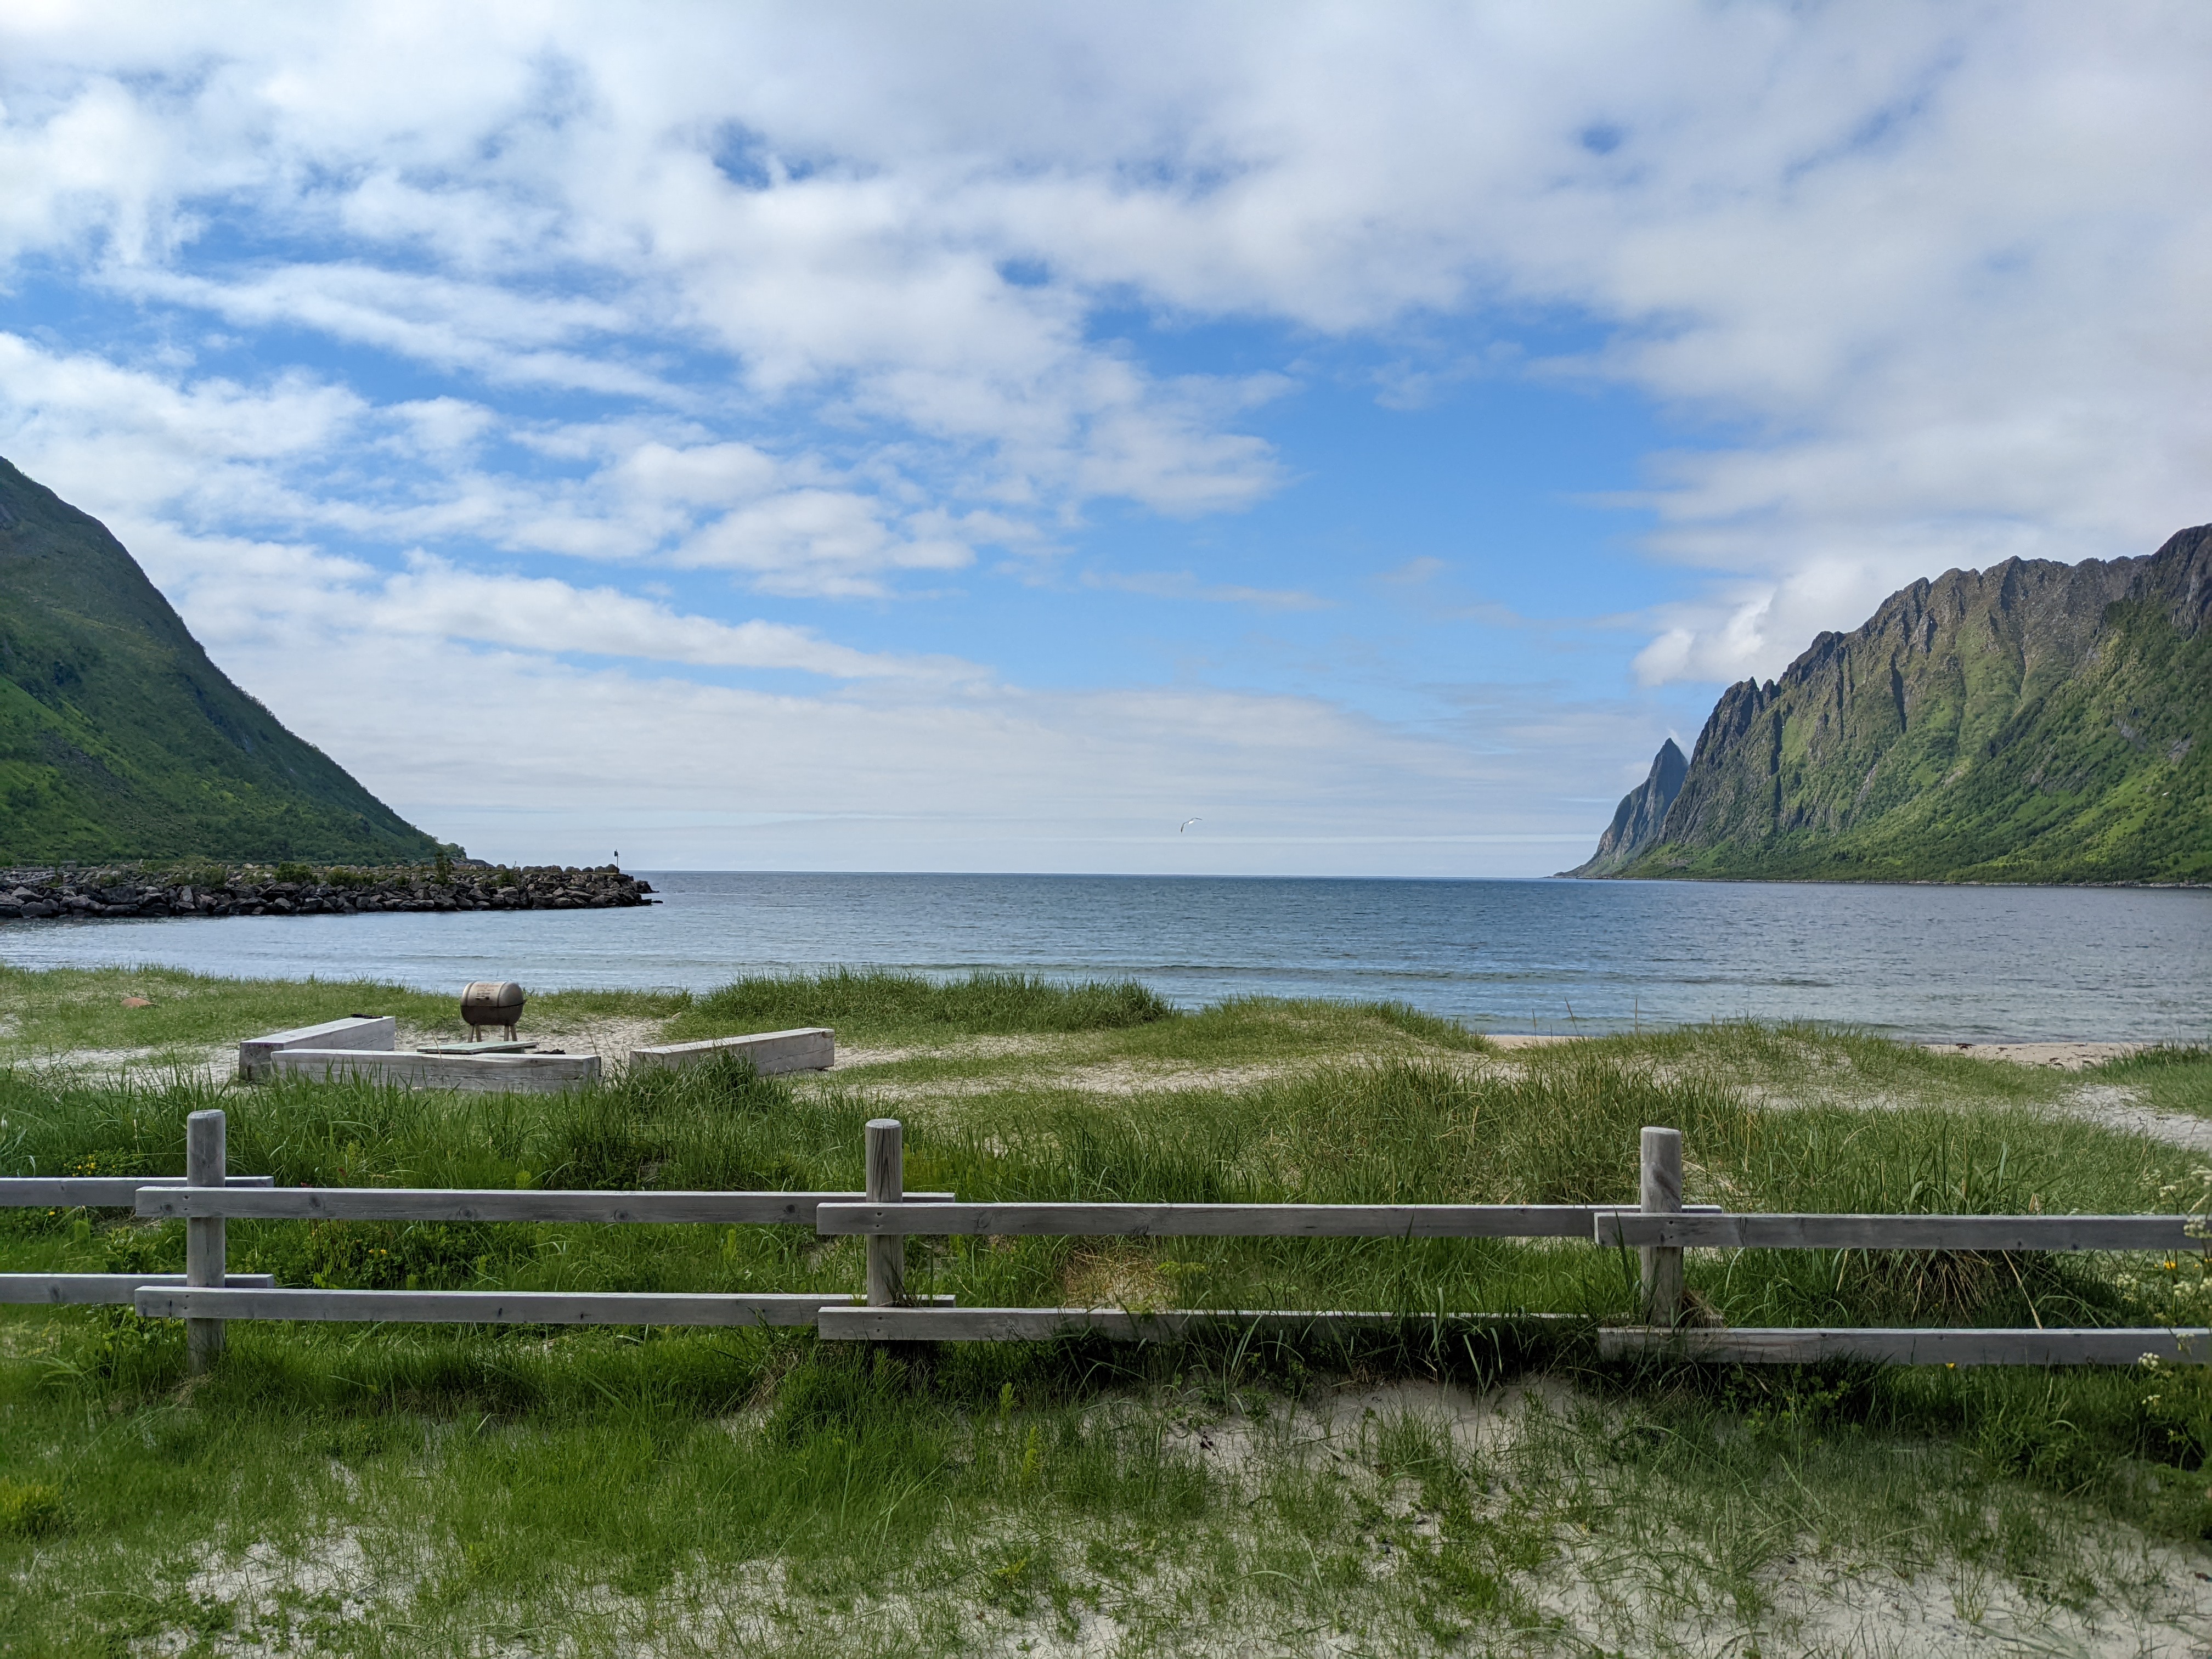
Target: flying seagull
[1185, 824]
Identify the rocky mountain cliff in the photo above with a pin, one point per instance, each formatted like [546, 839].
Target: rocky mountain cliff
[2035, 721]
[1637, 820]
[120, 739]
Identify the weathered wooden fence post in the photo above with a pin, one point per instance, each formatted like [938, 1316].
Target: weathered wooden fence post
[886, 1185]
[206, 1164]
[1662, 1195]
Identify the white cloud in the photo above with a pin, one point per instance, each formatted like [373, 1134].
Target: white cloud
[217, 454]
[490, 330]
[239, 594]
[816, 541]
[699, 474]
[127, 439]
[1184, 585]
[1945, 262]
[684, 775]
[544, 615]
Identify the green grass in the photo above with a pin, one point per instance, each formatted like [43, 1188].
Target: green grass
[411, 1489]
[418, 1495]
[874, 1003]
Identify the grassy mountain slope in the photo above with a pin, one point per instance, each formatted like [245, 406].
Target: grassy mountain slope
[2034, 722]
[120, 739]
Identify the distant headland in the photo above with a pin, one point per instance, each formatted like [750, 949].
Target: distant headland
[2032, 722]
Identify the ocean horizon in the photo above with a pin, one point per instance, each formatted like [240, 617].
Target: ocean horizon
[1926, 963]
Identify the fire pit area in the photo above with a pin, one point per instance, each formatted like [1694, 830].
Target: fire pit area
[368, 1046]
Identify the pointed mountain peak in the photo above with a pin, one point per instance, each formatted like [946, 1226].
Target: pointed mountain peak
[1643, 809]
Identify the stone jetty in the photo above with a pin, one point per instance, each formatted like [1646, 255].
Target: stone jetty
[300, 890]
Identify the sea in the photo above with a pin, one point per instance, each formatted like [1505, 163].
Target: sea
[1925, 962]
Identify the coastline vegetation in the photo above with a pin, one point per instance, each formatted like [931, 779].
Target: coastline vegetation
[877, 1003]
[1427, 1487]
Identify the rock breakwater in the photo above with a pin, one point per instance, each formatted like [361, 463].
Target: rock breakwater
[290, 890]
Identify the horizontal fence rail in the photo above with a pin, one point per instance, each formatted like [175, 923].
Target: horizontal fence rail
[1904, 1232]
[492, 1204]
[1214, 1220]
[84, 1290]
[1910, 1346]
[1122, 1324]
[488, 1307]
[94, 1192]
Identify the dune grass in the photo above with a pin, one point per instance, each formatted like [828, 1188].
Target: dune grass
[872, 1004]
[379, 1490]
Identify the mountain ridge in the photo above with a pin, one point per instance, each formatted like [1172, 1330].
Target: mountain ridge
[2030, 722]
[120, 737]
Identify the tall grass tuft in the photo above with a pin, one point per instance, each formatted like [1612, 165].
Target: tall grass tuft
[879, 1000]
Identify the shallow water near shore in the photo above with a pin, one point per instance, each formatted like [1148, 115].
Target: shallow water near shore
[1925, 963]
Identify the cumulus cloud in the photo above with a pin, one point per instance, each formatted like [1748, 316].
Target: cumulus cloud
[488, 329]
[816, 541]
[545, 615]
[1942, 262]
[298, 600]
[214, 453]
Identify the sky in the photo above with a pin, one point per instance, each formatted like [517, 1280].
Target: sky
[986, 436]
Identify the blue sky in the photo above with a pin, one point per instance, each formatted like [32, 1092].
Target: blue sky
[862, 439]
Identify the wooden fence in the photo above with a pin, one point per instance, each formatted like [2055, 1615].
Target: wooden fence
[885, 1216]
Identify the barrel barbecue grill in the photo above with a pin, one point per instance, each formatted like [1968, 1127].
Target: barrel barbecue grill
[489, 1002]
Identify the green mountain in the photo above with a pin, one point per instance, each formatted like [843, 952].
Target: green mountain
[1637, 820]
[2034, 722]
[120, 739]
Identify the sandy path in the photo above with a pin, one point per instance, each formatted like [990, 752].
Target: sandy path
[2064, 1057]
[2117, 1106]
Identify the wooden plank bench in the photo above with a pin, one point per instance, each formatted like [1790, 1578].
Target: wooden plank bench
[491, 1073]
[807, 1049]
[376, 1033]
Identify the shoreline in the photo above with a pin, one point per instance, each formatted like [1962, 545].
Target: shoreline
[1898, 881]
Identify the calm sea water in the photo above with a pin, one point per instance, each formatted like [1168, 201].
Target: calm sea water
[1935, 963]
